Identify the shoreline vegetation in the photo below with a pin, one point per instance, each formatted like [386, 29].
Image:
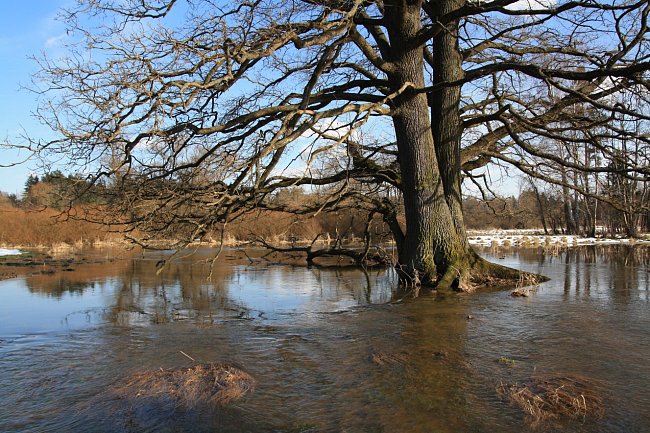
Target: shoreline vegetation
[477, 238]
[49, 229]
[54, 233]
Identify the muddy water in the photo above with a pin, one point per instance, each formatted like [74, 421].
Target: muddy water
[329, 352]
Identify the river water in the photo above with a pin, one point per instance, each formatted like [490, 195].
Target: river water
[331, 350]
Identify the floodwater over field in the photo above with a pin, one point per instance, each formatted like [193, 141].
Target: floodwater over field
[331, 350]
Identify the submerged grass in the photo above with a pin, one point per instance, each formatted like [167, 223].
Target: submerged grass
[384, 358]
[209, 383]
[509, 362]
[555, 397]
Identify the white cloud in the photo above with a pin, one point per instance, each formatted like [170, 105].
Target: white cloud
[523, 5]
[54, 41]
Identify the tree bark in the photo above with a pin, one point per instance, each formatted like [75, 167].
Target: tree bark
[430, 235]
[446, 126]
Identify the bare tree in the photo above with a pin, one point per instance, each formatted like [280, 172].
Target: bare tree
[199, 110]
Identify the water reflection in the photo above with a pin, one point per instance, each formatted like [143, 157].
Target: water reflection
[623, 280]
[194, 289]
[75, 279]
[613, 273]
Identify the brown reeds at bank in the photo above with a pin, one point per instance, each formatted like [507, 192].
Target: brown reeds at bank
[44, 227]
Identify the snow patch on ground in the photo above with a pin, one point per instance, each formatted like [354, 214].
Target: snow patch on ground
[523, 238]
[6, 252]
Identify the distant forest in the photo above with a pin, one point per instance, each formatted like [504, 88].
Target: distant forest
[65, 208]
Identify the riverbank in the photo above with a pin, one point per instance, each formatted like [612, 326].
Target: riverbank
[482, 238]
[61, 248]
[534, 238]
[17, 262]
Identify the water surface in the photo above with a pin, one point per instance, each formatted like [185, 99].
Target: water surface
[314, 339]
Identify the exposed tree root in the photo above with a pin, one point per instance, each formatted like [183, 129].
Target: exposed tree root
[485, 274]
[474, 272]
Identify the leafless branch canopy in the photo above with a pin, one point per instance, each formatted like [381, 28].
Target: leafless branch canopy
[194, 111]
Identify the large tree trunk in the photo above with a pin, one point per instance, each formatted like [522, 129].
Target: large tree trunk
[435, 250]
[430, 235]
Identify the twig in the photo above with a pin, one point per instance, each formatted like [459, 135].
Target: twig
[187, 355]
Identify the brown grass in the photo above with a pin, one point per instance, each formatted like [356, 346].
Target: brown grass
[210, 383]
[47, 227]
[556, 397]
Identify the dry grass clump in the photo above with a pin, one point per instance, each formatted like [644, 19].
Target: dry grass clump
[555, 397]
[203, 383]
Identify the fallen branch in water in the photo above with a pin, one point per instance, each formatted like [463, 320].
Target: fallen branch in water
[361, 257]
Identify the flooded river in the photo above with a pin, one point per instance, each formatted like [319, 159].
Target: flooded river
[331, 350]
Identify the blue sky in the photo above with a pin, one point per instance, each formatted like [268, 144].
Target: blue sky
[27, 28]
